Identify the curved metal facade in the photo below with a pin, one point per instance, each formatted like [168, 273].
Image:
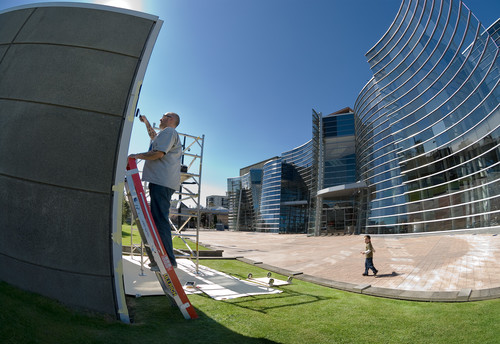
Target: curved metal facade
[275, 197]
[244, 200]
[269, 219]
[428, 123]
[296, 179]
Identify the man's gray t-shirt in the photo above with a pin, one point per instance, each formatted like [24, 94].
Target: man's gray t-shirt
[165, 171]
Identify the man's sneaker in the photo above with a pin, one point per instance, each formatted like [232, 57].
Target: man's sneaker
[154, 267]
[365, 274]
[375, 273]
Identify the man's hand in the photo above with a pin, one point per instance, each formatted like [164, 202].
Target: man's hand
[151, 155]
[151, 132]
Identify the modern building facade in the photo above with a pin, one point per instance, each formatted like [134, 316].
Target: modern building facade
[337, 201]
[286, 192]
[274, 195]
[494, 32]
[215, 201]
[279, 195]
[244, 194]
[427, 123]
[420, 150]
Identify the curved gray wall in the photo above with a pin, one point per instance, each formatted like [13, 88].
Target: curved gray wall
[69, 80]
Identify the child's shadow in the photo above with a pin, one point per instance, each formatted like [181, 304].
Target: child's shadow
[392, 274]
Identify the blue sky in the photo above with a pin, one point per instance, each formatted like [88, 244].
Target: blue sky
[246, 73]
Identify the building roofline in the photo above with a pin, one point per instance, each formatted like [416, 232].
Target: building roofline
[342, 111]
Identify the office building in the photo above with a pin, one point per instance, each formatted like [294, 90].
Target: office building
[427, 123]
[419, 152]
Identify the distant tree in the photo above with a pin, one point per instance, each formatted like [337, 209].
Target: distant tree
[203, 220]
[126, 212]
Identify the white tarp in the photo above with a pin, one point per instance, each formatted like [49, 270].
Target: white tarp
[216, 284]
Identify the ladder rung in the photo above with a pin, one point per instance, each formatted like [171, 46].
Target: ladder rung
[191, 136]
[186, 194]
[192, 155]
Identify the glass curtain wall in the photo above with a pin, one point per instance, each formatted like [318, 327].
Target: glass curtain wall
[269, 219]
[233, 198]
[494, 32]
[339, 214]
[427, 123]
[296, 185]
[244, 200]
[340, 154]
[285, 199]
[317, 147]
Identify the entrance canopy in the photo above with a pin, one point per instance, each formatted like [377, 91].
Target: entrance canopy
[341, 191]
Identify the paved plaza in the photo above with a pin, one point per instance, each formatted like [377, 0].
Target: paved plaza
[441, 267]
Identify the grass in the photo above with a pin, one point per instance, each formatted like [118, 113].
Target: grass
[303, 313]
[136, 239]
[126, 235]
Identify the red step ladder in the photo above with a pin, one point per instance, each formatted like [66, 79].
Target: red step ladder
[154, 246]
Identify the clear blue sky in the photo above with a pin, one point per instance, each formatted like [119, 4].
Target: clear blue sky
[246, 73]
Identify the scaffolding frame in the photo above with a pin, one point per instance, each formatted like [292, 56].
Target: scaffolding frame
[189, 190]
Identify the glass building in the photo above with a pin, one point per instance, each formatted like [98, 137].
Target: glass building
[420, 150]
[337, 197]
[244, 194]
[283, 198]
[273, 196]
[295, 202]
[269, 216]
[494, 32]
[427, 123]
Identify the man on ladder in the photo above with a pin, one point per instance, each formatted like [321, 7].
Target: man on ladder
[162, 171]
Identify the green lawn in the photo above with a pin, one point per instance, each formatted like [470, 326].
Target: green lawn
[303, 313]
[126, 235]
[178, 243]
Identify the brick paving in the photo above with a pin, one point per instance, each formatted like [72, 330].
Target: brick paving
[439, 262]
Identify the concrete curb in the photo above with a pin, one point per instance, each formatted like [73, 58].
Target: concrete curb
[463, 295]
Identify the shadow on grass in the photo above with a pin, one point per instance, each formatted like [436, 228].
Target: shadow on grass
[158, 313]
[30, 318]
[265, 303]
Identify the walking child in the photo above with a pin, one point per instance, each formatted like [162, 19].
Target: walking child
[369, 256]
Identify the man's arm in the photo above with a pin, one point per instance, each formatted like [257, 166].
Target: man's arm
[151, 155]
[151, 132]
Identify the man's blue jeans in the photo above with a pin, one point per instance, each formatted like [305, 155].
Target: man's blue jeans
[160, 207]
